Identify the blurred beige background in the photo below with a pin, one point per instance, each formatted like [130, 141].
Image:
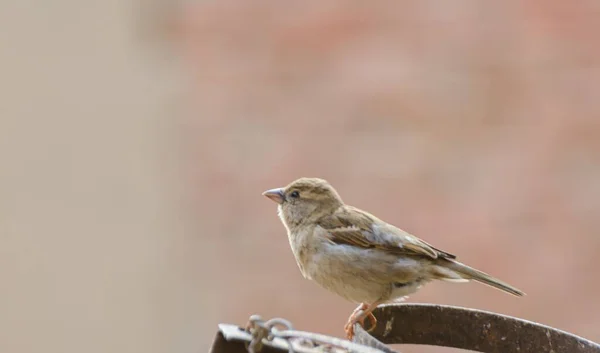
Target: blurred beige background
[137, 137]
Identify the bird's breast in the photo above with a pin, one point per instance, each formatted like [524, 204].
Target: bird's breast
[303, 247]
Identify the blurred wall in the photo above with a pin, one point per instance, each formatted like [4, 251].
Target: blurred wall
[89, 224]
[134, 157]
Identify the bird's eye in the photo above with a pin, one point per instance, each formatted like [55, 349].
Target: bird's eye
[295, 194]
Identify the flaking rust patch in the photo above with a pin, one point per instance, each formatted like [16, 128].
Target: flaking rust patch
[388, 326]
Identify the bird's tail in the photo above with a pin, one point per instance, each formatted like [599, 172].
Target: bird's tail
[452, 270]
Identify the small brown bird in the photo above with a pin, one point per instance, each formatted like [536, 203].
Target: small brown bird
[358, 256]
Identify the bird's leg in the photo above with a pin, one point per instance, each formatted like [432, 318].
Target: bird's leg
[359, 315]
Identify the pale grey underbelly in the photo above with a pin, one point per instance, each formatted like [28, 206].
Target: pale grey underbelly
[364, 275]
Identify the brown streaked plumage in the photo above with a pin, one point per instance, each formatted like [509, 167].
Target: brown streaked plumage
[358, 256]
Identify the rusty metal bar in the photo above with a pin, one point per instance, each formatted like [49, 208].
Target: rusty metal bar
[435, 325]
[468, 329]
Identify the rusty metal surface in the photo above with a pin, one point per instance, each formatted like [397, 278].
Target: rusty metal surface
[363, 337]
[468, 329]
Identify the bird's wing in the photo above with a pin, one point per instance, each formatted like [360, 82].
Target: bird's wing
[352, 226]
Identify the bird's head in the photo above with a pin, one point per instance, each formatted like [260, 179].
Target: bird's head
[305, 200]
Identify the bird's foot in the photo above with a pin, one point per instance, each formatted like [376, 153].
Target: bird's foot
[359, 315]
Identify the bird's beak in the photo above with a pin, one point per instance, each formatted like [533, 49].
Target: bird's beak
[276, 195]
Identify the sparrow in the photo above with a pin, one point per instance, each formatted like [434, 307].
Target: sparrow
[358, 256]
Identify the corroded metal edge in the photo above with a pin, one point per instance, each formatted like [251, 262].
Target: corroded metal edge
[361, 336]
[470, 329]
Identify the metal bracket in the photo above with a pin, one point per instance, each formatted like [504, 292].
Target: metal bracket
[426, 324]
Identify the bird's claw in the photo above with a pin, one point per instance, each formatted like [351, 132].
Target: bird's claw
[356, 318]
